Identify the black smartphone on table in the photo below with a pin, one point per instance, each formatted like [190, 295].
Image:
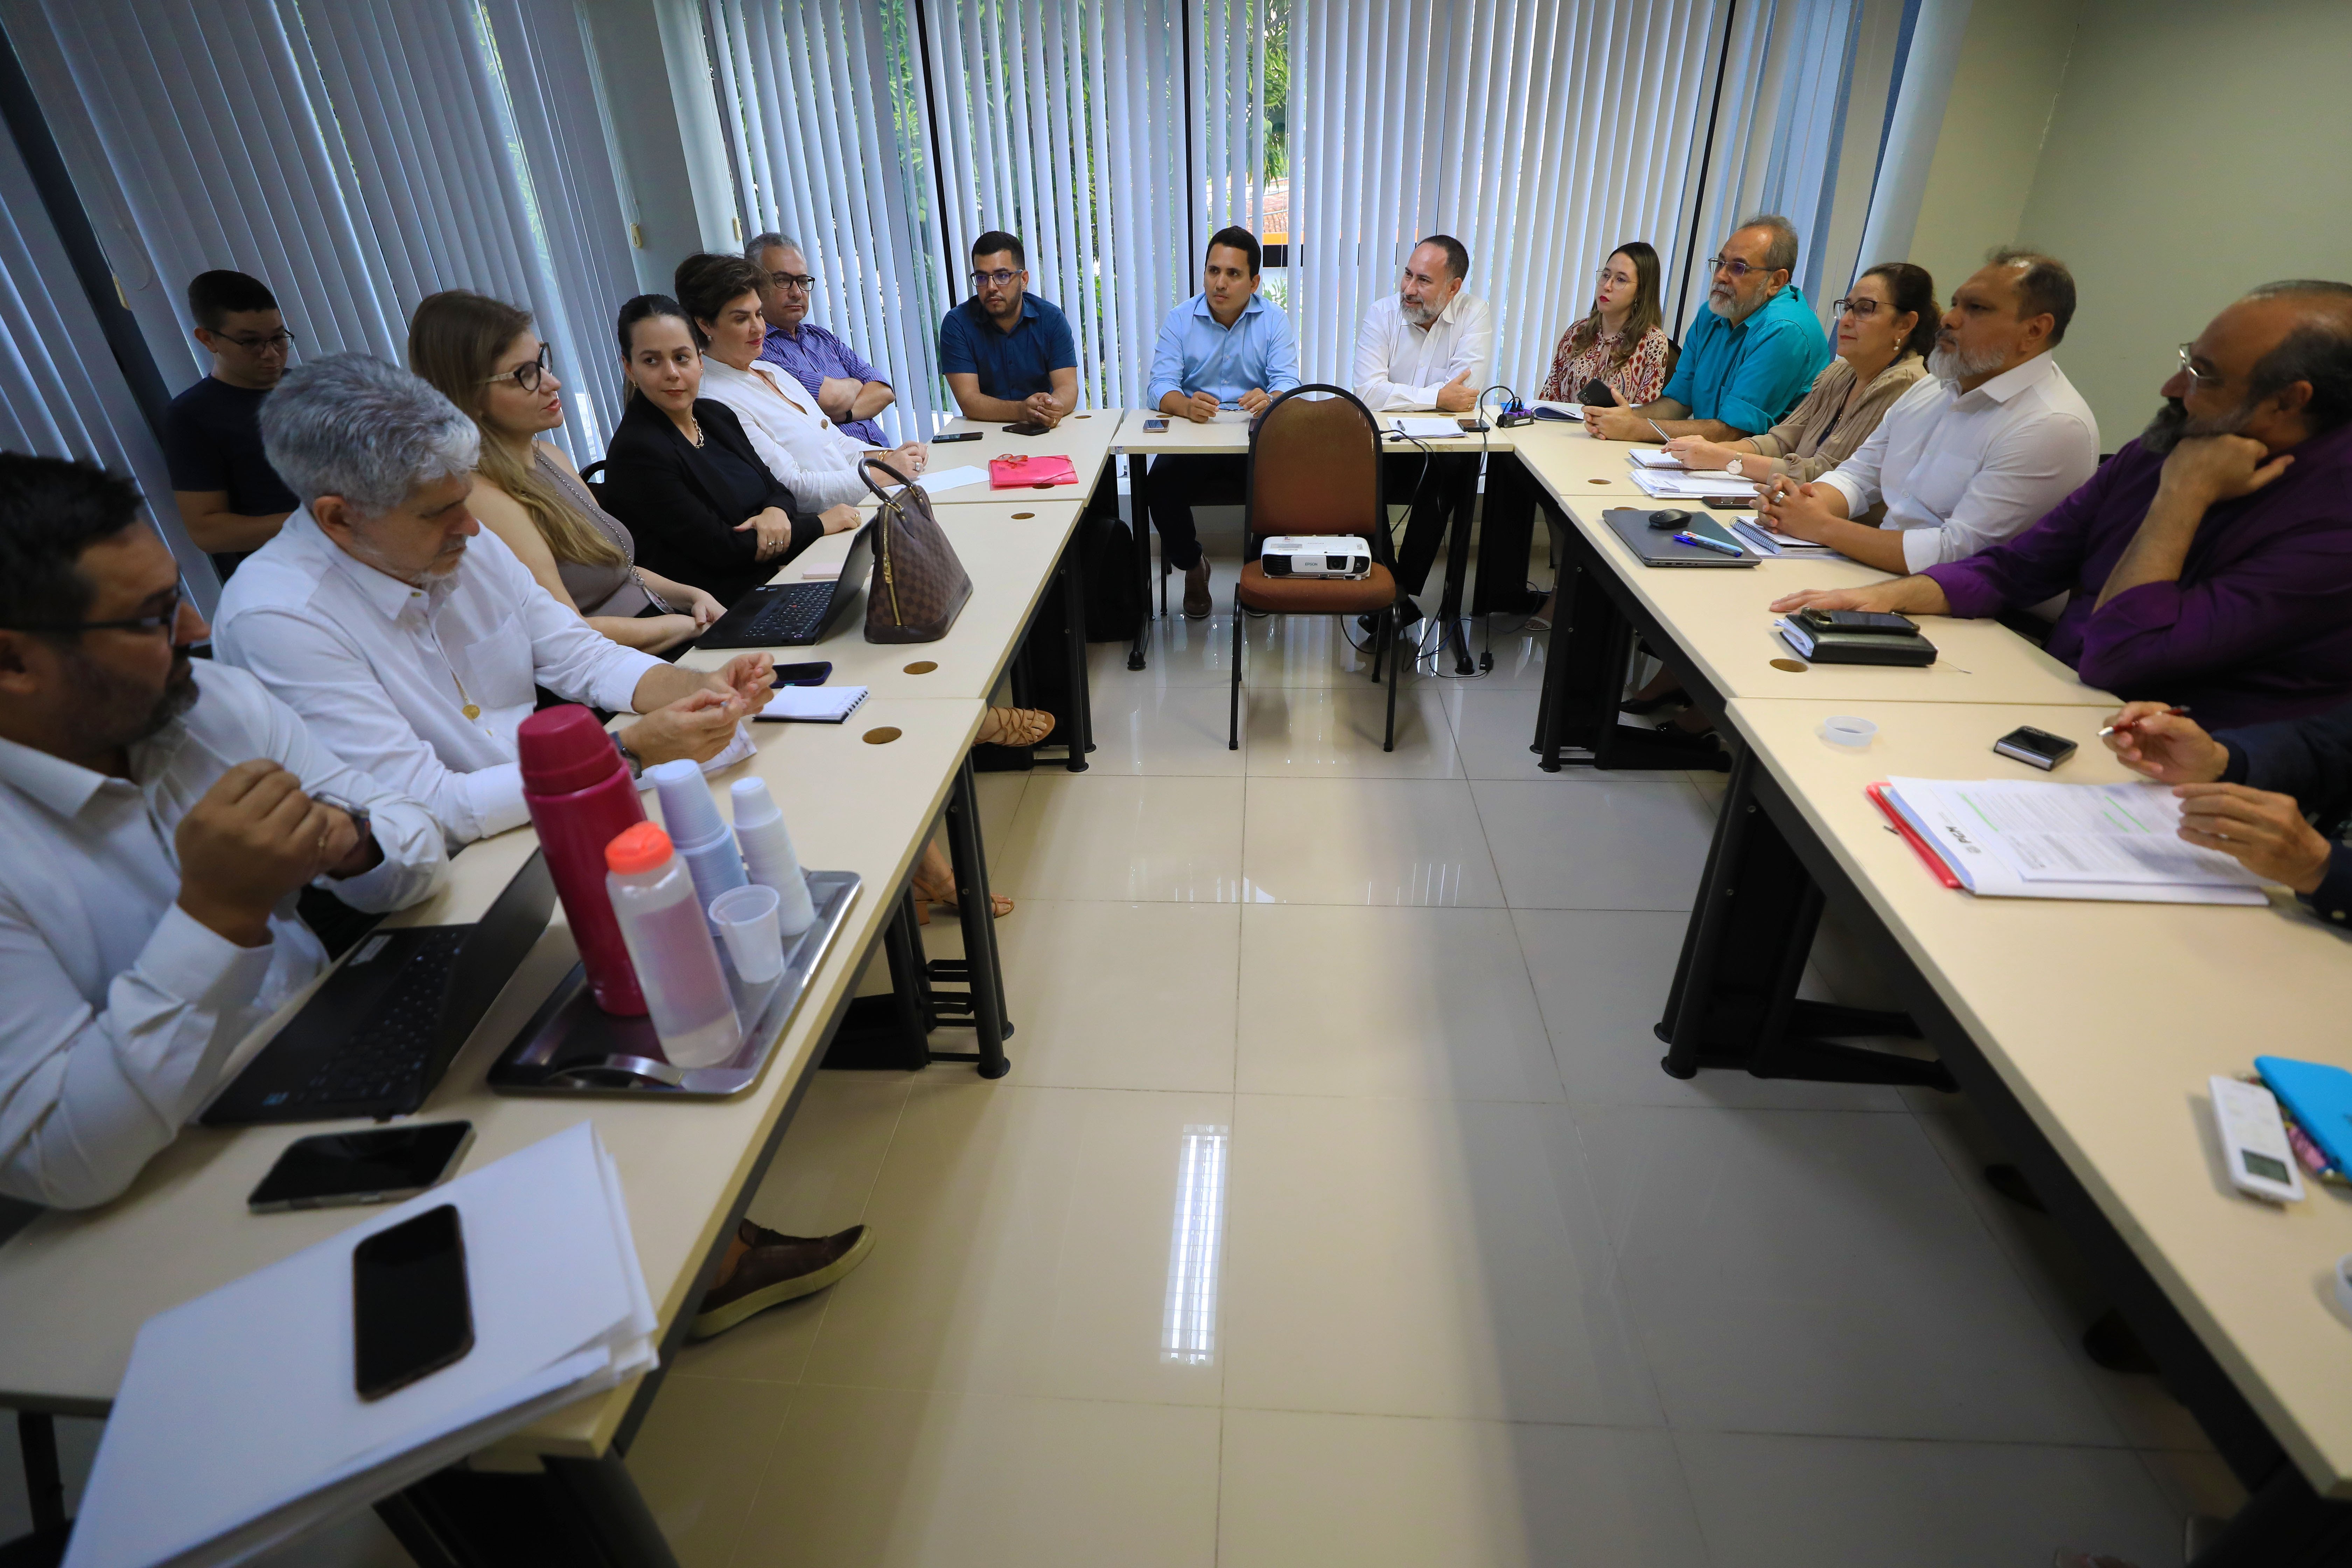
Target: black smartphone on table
[2034, 748]
[1027, 427]
[381, 1165]
[1877, 622]
[958, 435]
[813, 673]
[412, 1313]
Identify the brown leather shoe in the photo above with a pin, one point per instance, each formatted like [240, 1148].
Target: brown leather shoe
[1197, 603]
[776, 1269]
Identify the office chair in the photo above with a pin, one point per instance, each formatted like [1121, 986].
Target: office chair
[1314, 469]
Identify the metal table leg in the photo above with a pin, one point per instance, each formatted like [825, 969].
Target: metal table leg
[1078, 724]
[1139, 505]
[1461, 503]
[984, 973]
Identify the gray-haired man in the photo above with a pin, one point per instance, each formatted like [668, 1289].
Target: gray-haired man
[410, 639]
[850, 391]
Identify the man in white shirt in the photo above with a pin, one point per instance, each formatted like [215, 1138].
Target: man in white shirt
[158, 815]
[1428, 345]
[1985, 444]
[410, 639]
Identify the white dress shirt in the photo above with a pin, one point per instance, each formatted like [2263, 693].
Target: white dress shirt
[1400, 365]
[121, 1006]
[383, 673]
[811, 459]
[1959, 473]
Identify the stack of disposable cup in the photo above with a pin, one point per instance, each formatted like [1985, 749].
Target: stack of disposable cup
[691, 817]
[768, 855]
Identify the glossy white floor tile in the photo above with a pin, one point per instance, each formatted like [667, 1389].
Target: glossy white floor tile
[1336, 732]
[1810, 1503]
[1366, 841]
[1610, 846]
[1141, 727]
[887, 1478]
[1304, 650]
[1349, 1000]
[1081, 837]
[1390, 1256]
[699, 1459]
[1376, 1491]
[1122, 995]
[1493, 726]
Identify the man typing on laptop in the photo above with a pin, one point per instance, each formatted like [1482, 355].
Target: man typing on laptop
[157, 816]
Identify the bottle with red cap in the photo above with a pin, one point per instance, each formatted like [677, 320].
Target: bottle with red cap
[669, 942]
[580, 798]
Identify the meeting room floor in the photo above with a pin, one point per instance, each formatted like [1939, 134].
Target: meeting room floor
[1336, 1211]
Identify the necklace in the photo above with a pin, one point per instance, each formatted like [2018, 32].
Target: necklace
[693, 434]
[465, 704]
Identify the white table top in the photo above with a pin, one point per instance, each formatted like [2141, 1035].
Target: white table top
[1085, 437]
[2104, 1020]
[74, 1288]
[1184, 436]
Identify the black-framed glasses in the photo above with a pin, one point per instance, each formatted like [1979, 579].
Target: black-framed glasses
[1859, 309]
[1738, 269]
[529, 373]
[794, 282]
[162, 620]
[2204, 379]
[1000, 277]
[281, 340]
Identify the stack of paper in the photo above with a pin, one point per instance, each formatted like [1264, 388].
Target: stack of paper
[238, 1426]
[1760, 536]
[939, 479]
[2019, 838]
[1672, 485]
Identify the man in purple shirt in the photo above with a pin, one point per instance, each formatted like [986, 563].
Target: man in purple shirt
[850, 391]
[2210, 560]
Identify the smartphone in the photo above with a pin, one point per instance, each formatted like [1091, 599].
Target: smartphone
[411, 1312]
[1027, 427]
[1472, 425]
[1154, 426]
[812, 674]
[1874, 621]
[2035, 748]
[958, 435]
[382, 1165]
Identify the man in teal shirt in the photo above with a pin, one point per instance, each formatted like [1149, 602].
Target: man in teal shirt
[1746, 361]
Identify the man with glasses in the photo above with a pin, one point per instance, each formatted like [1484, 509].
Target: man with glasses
[158, 816]
[1008, 355]
[850, 392]
[231, 500]
[2210, 560]
[1746, 359]
[1990, 438]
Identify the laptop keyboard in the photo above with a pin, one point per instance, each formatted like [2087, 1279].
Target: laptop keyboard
[793, 616]
[388, 1053]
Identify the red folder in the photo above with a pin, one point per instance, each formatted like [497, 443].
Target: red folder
[1878, 794]
[1025, 470]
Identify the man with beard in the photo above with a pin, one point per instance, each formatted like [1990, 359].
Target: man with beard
[1428, 345]
[1992, 438]
[2210, 560]
[1746, 359]
[410, 639]
[158, 816]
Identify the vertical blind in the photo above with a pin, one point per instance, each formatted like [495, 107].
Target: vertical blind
[354, 154]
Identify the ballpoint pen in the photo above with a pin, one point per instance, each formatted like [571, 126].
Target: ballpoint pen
[1659, 428]
[2110, 728]
[1704, 543]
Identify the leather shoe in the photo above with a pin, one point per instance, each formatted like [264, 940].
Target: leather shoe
[776, 1268]
[1197, 603]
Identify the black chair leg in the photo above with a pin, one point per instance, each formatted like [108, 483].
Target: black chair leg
[1396, 678]
[45, 1488]
[1233, 713]
[1384, 633]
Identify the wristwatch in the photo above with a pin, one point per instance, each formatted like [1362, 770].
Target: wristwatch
[636, 763]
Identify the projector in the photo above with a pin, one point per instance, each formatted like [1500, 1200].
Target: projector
[1318, 555]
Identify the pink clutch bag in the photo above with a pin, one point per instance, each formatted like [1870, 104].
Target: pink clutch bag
[1026, 471]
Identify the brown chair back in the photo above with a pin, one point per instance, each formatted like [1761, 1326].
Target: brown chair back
[1315, 467]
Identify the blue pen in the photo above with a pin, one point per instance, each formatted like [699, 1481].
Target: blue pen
[1708, 544]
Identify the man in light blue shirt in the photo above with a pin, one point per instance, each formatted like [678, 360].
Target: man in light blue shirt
[1746, 361]
[1222, 352]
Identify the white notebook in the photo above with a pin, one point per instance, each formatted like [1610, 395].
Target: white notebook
[2023, 838]
[813, 704]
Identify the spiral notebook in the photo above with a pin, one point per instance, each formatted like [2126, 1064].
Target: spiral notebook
[812, 704]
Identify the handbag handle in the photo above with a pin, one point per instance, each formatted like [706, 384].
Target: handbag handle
[879, 493]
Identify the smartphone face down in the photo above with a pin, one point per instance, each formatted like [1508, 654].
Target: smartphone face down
[2035, 748]
[383, 1164]
[412, 1313]
[957, 435]
[813, 673]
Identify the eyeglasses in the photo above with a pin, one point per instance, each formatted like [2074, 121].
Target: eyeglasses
[1605, 275]
[162, 620]
[1859, 309]
[280, 340]
[1000, 277]
[2198, 379]
[528, 375]
[794, 282]
[1738, 269]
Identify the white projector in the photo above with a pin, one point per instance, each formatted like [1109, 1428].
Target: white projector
[1317, 555]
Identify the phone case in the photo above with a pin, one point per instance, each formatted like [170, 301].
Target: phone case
[2320, 1098]
[1024, 471]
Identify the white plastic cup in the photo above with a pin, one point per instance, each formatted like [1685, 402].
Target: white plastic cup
[746, 917]
[1844, 729]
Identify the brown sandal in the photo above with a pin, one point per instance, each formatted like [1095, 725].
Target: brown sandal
[1015, 726]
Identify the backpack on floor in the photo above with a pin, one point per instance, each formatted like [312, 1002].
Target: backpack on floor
[1107, 567]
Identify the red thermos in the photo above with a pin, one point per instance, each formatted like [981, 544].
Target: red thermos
[580, 798]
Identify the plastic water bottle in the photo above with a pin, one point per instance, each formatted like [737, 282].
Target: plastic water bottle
[669, 943]
[690, 817]
[768, 855]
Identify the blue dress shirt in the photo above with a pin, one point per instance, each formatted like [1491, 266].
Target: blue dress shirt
[1010, 365]
[812, 354]
[1195, 354]
[1751, 375]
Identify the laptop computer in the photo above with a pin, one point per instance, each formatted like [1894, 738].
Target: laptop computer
[792, 615]
[1656, 546]
[378, 1035]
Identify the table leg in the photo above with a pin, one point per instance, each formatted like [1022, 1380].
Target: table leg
[1461, 503]
[1078, 725]
[983, 972]
[1139, 505]
[575, 1513]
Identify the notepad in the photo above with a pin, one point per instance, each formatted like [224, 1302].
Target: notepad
[1751, 530]
[813, 704]
[2023, 838]
[1429, 429]
[952, 479]
[1670, 485]
[1655, 457]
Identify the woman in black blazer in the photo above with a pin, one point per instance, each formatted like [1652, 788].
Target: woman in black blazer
[681, 473]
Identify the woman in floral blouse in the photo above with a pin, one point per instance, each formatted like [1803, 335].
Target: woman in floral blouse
[1623, 341]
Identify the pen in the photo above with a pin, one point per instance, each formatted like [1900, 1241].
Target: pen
[1659, 428]
[1708, 544]
[2111, 729]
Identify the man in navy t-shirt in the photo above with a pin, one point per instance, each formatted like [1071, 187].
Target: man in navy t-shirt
[230, 499]
[1008, 354]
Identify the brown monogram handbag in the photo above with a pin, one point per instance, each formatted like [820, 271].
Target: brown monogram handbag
[918, 586]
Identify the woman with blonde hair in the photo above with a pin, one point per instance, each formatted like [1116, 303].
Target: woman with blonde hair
[482, 355]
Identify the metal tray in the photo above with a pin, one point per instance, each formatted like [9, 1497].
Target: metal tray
[572, 1046]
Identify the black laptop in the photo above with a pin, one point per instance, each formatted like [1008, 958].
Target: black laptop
[792, 615]
[1656, 547]
[378, 1035]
